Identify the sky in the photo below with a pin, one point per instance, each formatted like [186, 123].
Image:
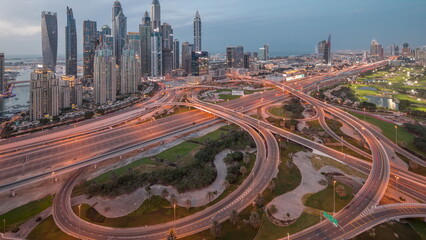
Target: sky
[288, 26]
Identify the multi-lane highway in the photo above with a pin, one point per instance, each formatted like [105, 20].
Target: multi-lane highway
[103, 144]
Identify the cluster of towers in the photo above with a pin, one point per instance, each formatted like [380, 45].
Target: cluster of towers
[114, 60]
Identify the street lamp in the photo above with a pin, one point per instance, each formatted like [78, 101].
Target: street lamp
[288, 236]
[396, 184]
[334, 197]
[396, 134]
[79, 221]
[364, 114]
[4, 226]
[174, 215]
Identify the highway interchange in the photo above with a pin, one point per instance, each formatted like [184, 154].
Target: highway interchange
[26, 161]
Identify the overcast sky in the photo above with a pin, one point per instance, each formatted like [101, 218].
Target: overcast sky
[289, 26]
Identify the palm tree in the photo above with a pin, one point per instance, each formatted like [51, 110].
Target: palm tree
[340, 190]
[246, 159]
[271, 185]
[259, 201]
[254, 219]
[165, 193]
[188, 204]
[210, 196]
[226, 184]
[173, 199]
[234, 217]
[216, 229]
[148, 191]
[171, 235]
[243, 170]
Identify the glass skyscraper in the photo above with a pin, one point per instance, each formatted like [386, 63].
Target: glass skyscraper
[71, 44]
[49, 39]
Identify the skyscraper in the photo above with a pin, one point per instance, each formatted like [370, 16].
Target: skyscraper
[105, 75]
[2, 83]
[71, 44]
[130, 72]
[376, 50]
[187, 49]
[200, 63]
[327, 51]
[247, 57]
[90, 42]
[406, 51]
[155, 15]
[134, 41]
[167, 44]
[70, 92]
[197, 32]
[145, 39]
[106, 36]
[49, 39]
[235, 57]
[44, 94]
[156, 54]
[119, 30]
[176, 54]
[321, 47]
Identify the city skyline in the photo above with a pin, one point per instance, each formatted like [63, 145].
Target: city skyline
[251, 27]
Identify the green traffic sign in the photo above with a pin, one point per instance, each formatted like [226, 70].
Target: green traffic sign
[331, 218]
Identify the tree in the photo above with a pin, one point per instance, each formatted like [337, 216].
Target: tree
[246, 159]
[165, 193]
[234, 217]
[148, 190]
[216, 229]
[226, 184]
[271, 185]
[243, 170]
[56, 119]
[88, 114]
[254, 219]
[260, 202]
[171, 235]
[272, 209]
[188, 204]
[173, 199]
[340, 190]
[210, 196]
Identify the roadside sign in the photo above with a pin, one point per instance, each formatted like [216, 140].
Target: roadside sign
[331, 219]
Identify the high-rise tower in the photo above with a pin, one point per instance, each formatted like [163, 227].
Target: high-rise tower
[155, 15]
[327, 51]
[119, 30]
[71, 44]
[130, 72]
[90, 42]
[2, 83]
[44, 94]
[156, 54]
[145, 38]
[105, 75]
[176, 54]
[49, 39]
[197, 32]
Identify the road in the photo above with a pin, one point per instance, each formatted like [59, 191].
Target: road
[263, 171]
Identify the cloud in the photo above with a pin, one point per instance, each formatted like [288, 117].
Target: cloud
[12, 29]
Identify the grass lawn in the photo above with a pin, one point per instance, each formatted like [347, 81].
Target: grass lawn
[179, 152]
[230, 232]
[410, 98]
[269, 231]
[228, 96]
[47, 229]
[319, 161]
[420, 170]
[155, 210]
[335, 126]
[323, 200]
[390, 231]
[388, 130]
[21, 214]
[216, 135]
[419, 226]
[278, 111]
